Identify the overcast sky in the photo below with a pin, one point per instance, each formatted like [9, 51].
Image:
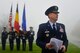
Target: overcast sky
[35, 9]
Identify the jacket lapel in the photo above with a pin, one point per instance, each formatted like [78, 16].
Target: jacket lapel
[49, 26]
[58, 27]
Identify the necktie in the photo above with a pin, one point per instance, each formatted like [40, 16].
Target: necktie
[54, 30]
[54, 27]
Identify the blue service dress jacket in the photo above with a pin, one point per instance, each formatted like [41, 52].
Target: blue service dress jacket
[45, 33]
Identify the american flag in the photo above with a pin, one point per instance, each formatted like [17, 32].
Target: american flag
[10, 19]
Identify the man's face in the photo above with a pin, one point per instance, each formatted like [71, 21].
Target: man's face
[31, 29]
[4, 29]
[53, 16]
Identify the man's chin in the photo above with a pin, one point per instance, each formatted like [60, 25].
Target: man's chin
[56, 20]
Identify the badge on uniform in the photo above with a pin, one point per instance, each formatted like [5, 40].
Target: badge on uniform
[23, 37]
[31, 33]
[47, 33]
[61, 29]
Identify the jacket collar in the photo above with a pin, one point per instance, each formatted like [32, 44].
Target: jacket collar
[49, 26]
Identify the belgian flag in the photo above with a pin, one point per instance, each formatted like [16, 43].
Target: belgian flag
[16, 22]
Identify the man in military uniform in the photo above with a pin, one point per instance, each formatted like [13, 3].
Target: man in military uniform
[17, 34]
[30, 38]
[11, 38]
[51, 29]
[23, 37]
[4, 36]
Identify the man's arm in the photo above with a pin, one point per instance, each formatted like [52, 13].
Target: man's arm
[39, 40]
[65, 40]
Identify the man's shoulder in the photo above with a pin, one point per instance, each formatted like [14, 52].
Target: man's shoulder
[61, 24]
[42, 25]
